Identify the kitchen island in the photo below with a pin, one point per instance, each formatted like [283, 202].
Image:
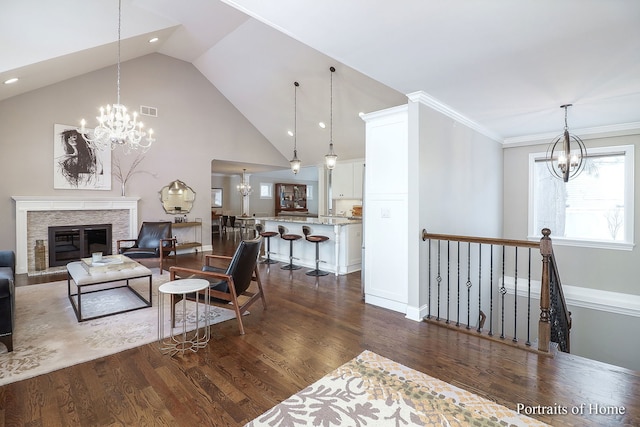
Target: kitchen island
[341, 254]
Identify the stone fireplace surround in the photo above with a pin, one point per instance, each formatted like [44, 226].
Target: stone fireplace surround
[34, 214]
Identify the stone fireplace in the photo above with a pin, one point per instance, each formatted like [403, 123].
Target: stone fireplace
[34, 215]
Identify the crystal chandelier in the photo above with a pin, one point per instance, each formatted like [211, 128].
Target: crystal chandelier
[244, 187]
[563, 161]
[295, 163]
[331, 158]
[116, 128]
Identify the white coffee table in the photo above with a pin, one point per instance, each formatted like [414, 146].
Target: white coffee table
[176, 339]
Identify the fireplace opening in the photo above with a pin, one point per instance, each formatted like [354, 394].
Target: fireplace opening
[71, 242]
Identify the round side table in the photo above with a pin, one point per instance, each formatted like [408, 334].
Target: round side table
[177, 339]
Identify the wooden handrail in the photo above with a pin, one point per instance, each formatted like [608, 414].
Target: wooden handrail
[481, 240]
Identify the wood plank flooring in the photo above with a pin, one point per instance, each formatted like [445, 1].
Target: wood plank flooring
[311, 327]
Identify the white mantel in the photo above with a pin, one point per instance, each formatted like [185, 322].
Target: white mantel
[25, 204]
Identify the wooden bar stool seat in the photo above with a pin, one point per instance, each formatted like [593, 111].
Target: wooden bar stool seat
[267, 235]
[317, 239]
[291, 238]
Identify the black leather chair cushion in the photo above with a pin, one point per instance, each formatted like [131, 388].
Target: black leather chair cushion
[141, 252]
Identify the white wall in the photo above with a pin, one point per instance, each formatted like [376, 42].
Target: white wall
[195, 124]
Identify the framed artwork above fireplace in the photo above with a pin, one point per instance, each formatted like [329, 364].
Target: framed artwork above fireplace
[76, 164]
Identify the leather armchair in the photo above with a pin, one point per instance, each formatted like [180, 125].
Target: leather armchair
[154, 241]
[7, 297]
[227, 285]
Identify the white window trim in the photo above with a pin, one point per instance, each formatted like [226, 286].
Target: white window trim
[628, 243]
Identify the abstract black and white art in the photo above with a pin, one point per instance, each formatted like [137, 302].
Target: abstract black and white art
[76, 164]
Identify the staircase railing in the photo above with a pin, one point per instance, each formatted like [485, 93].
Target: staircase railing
[481, 280]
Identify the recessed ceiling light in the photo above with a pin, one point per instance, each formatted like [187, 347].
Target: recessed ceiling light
[11, 80]
[322, 125]
[289, 133]
[153, 40]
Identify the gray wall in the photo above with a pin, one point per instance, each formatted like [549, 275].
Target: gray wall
[195, 124]
[596, 334]
[460, 183]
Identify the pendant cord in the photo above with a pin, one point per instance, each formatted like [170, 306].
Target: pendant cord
[119, 26]
[295, 116]
[331, 109]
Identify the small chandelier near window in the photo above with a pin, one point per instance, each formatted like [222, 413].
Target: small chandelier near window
[295, 163]
[331, 158]
[567, 160]
[116, 128]
[244, 187]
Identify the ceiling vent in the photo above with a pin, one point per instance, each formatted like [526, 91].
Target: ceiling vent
[148, 111]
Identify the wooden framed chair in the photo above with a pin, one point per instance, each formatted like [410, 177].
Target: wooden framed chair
[230, 286]
[154, 241]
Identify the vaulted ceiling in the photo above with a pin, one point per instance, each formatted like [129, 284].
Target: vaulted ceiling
[505, 66]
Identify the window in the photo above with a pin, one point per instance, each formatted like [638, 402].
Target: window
[309, 194]
[266, 190]
[595, 209]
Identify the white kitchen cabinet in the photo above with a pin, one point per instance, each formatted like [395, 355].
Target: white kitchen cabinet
[346, 180]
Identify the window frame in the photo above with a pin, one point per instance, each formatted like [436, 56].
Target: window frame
[628, 239]
[268, 185]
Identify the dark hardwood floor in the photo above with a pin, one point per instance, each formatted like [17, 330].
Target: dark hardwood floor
[310, 328]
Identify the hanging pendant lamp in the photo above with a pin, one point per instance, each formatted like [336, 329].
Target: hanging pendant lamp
[295, 162]
[244, 188]
[116, 128]
[331, 158]
[566, 155]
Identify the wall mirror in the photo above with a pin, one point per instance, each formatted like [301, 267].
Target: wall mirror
[177, 197]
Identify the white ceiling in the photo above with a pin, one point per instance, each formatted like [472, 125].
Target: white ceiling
[506, 66]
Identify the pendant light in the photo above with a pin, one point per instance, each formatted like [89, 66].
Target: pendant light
[331, 158]
[566, 161]
[116, 128]
[295, 163]
[244, 188]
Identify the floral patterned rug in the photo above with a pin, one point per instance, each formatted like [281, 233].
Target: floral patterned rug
[48, 336]
[371, 390]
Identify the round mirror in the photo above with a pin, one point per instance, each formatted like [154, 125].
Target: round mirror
[177, 197]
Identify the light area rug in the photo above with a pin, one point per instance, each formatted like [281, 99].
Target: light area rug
[371, 390]
[48, 336]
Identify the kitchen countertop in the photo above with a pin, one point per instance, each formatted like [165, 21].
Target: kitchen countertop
[317, 221]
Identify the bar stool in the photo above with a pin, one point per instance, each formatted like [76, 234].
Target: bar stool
[317, 239]
[267, 235]
[224, 224]
[290, 237]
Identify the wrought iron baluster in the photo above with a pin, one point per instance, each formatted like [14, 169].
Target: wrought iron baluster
[491, 295]
[439, 280]
[429, 284]
[529, 303]
[479, 327]
[448, 279]
[503, 291]
[468, 285]
[458, 292]
[515, 297]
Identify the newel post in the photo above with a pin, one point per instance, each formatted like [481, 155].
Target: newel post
[544, 325]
